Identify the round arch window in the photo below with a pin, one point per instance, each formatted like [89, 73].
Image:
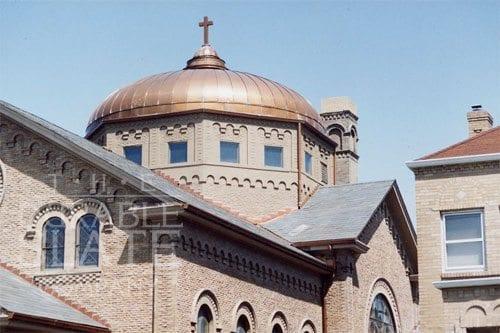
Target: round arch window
[243, 326]
[381, 317]
[277, 329]
[205, 322]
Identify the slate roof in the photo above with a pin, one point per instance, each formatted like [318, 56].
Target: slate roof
[140, 177]
[18, 296]
[333, 212]
[484, 143]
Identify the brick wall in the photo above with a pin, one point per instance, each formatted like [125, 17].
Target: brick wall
[359, 278]
[248, 186]
[454, 188]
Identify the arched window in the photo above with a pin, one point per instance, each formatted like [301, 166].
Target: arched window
[277, 329]
[381, 318]
[243, 326]
[53, 243]
[87, 240]
[205, 321]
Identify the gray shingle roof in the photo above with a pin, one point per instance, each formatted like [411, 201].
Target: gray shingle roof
[20, 297]
[334, 212]
[138, 176]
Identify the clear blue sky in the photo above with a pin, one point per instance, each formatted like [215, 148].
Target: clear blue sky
[413, 68]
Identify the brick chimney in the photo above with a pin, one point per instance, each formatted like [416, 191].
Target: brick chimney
[479, 120]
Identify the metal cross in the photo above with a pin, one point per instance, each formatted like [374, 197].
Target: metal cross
[205, 24]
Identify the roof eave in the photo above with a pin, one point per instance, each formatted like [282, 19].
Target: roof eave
[14, 317]
[417, 164]
[353, 244]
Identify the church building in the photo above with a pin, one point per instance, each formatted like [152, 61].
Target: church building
[201, 200]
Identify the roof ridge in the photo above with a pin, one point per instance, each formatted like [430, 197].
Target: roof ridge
[92, 315]
[467, 140]
[359, 183]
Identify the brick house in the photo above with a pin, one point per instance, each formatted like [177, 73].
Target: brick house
[458, 225]
[201, 200]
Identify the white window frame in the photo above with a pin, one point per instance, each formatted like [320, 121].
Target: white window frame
[468, 240]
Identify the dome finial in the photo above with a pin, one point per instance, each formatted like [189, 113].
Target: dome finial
[205, 24]
[205, 57]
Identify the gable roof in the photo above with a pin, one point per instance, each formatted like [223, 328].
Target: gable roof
[484, 143]
[18, 297]
[145, 180]
[333, 212]
[339, 213]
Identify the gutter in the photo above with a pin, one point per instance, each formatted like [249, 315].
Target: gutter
[353, 244]
[412, 165]
[464, 283]
[18, 317]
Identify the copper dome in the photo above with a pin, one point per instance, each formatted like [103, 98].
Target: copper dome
[205, 85]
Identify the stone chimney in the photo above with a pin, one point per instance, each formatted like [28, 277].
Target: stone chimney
[479, 120]
[339, 117]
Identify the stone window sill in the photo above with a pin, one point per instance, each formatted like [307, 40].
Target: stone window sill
[74, 271]
[466, 283]
[465, 275]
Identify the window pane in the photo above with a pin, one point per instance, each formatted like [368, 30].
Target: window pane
[277, 329]
[229, 152]
[54, 232]
[243, 325]
[465, 226]
[88, 241]
[308, 163]
[273, 156]
[324, 173]
[133, 153]
[178, 152]
[465, 254]
[381, 318]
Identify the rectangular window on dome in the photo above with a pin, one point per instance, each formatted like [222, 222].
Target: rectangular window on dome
[133, 153]
[308, 163]
[324, 173]
[273, 156]
[463, 241]
[229, 152]
[178, 152]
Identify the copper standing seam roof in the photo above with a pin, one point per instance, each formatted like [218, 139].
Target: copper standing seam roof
[205, 85]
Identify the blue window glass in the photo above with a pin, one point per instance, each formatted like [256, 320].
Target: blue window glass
[273, 156]
[53, 243]
[178, 152]
[229, 152]
[308, 163]
[88, 240]
[381, 318]
[133, 153]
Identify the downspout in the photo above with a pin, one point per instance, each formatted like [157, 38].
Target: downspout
[153, 308]
[326, 286]
[299, 163]
[334, 157]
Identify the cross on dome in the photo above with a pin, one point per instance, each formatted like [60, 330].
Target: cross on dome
[205, 24]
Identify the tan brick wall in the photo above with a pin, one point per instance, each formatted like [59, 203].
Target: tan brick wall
[121, 289]
[380, 270]
[237, 274]
[455, 188]
[248, 186]
[118, 288]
